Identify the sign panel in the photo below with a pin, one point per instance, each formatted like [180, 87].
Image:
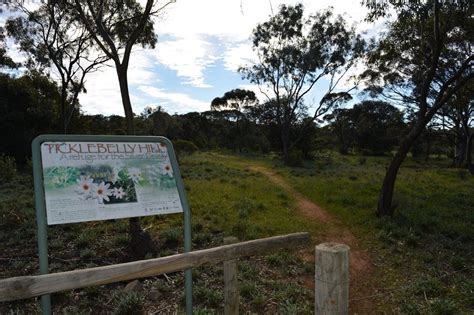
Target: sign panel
[95, 180]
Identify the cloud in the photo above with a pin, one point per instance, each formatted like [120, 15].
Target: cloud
[189, 57]
[239, 55]
[195, 37]
[141, 69]
[103, 91]
[174, 102]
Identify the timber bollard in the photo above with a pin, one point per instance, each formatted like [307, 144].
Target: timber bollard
[331, 279]
[231, 285]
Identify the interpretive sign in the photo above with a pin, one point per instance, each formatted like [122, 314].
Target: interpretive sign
[82, 178]
[85, 181]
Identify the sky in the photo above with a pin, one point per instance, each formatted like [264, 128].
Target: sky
[201, 44]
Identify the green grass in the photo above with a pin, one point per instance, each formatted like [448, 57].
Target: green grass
[431, 235]
[423, 256]
[224, 194]
[226, 200]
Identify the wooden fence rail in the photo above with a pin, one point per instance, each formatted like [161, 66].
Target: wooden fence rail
[30, 286]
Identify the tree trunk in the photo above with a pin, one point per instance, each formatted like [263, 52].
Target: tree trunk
[460, 150]
[285, 142]
[140, 242]
[428, 148]
[127, 105]
[384, 206]
[469, 153]
[63, 107]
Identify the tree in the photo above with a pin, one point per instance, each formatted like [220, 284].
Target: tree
[422, 61]
[343, 128]
[294, 54]
[232, 107]
[115, 27]
[5, 60]
[237, 99]
[378, 126]
[51, 36]
[28, 107]
[458, 116]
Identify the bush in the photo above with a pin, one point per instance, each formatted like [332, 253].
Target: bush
[184, 147]
[129, 303]
[295, 158]
[7, 168]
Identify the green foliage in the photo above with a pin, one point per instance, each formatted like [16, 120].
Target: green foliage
[87, 254]
[426, 249]
[86, 237]
[294, 53]
[129, 304]
[203, 311]
[248, 289]
[5, 60]
[172, 238]
[208, 296]
[422, 61]
[121, 25]
[7, 168]
[295, 158]
[184, 147]
[237, 99]
[44, 35]
[30, 107]
[370, 127]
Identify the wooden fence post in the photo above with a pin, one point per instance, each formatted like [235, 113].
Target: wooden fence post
[331, 279]
[231, 285]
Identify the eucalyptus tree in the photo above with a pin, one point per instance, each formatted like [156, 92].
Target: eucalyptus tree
[422, 61]
[458, 118]
[237, 99]
[5, 60]
[372, 127]
[116, 26]
[294, 53]
[233, 106]
[52, 37]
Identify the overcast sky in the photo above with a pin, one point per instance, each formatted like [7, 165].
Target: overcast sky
[201, 44]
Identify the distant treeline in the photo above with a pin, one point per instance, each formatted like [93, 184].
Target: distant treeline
[29, 107]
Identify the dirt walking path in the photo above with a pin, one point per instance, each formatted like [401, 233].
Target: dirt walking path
[361, 283]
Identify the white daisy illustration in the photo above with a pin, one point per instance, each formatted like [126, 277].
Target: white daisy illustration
[103, 192]
[119, 193]
[86, 186]
[166, 170]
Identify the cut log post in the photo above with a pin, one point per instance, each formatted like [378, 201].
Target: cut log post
[331, 279]
[231, 284]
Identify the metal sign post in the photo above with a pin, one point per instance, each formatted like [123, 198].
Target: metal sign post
[131, 175]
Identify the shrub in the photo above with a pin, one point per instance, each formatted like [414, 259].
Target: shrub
[184, 147]
[7, 168]
[171, 238]
[295, 158]
[129, 303]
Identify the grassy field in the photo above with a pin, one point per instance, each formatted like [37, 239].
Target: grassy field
[423, 257]
[424, 254]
